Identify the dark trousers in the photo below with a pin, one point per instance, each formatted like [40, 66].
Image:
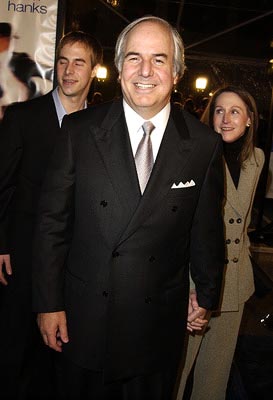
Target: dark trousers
[26, 363]
[75, 382]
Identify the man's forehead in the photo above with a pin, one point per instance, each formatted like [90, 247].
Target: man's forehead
[72, 50]
[154, 30]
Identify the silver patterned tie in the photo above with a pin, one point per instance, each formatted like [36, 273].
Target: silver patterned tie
[144, 156]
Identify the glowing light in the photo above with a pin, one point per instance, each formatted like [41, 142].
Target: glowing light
[114, 3]
[101, 73]
[201, 83]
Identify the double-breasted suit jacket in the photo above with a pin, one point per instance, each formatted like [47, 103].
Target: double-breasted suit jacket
[118, 262]
[238, 277]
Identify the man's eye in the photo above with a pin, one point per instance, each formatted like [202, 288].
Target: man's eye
[133, 58]
[159, 61]
[79, 64]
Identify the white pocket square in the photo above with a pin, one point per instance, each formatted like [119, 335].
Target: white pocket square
[183, 185]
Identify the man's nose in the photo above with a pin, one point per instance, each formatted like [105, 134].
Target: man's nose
[69, 68]
[146, 68]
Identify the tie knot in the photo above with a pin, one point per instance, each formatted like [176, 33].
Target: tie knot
[148, 127]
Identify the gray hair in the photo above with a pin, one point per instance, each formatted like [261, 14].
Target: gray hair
[178, 57]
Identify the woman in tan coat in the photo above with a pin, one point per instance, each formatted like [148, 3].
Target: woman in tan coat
[232, 113]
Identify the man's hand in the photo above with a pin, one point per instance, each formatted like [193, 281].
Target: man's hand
[196, 315]
[53, 329]
[5, 264]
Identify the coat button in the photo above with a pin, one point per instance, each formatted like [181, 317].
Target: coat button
[148, 299]
[105, 294]
[237, 241]
[228, 241]
[239, 220]
[174, 208]
[152, 259]
[235, 260]
[115, 254]
[231, 221]
[103, 203]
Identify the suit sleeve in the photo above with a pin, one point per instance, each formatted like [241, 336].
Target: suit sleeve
[11, 149]
[207, 236]
[54, 228]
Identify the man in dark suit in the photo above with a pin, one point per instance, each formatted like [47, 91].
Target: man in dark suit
[112, 258]
[27, 137]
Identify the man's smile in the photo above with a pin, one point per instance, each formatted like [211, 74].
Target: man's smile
[144, 85]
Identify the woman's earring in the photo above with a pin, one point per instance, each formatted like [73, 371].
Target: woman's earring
[248, 124]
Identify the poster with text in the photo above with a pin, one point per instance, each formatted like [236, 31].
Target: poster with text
[27, 49]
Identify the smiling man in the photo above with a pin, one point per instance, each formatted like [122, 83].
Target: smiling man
[27, 136]
[78, 58]
[131, 201]
[148, 75]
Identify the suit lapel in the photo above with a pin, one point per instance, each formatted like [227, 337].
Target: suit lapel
[172, 157]
[113, 142]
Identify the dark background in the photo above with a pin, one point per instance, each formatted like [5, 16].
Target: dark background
[213, 44]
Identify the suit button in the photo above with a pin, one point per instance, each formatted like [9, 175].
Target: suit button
[237, 241]
[105, 294]
[152, 259]
[226, 261]
[235, 260]
[228, 241]
[148, 299]
[231, 221]
[239, 220]
[174, 209]
[115, 254]
[103, 203]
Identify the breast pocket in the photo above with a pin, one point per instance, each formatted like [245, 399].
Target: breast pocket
[182, 202]
[183, 192]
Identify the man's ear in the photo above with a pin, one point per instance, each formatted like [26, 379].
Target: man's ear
[95, 70]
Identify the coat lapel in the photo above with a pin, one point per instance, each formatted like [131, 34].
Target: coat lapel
[232, 193]
[239, 197]
[247, 181]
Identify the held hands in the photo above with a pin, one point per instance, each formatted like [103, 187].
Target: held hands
[53, 329]
[5, 265]
[196, 315]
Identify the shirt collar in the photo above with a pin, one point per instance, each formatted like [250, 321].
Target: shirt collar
[58, 105]
[61, 112]
[135, 121]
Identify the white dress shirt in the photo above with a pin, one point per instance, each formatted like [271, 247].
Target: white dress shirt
[135, 121]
